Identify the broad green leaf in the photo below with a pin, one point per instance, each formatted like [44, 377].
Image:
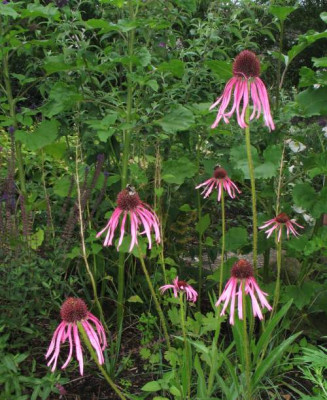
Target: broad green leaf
[36, 239]
[37, 10]
[281, 12]
[175, 67]
[56, 150]
[45, 134]
[176, 171]
[236, 238]
[203, 224]
[319, 62]
[178, 119]
[223, 69]
[152, 386]
[239, 156]
[302, 295]
[304, 195]
[313, 101]
[62, 97]
[265, 170]
[57, 64]
[304, 42]
[5, 9]
[135, 299]
[62, 185]
[144, 56]
[307, 77]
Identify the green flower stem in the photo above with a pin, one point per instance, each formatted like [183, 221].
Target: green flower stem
[124, 174]
[253, 193]
[279, 266]
[200, 265]
[223, 228]
[186, 348]
[155, 299]
[95, 359]
[84, 254]
[18, 146]
[214, 349]
[246, 347]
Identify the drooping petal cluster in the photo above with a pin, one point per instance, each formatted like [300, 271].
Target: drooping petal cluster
[242, 277]
[72, 311]
[129, 206]
[181, 286]
[245, 86]
[219, 181]
[277, 223]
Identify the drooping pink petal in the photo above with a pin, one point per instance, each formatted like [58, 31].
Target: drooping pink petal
[78, 349]
[70, 338]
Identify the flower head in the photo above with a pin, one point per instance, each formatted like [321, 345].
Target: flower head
[277, 224]
[219, 181]
[72, 311]
[181, 286]
[245, 83]
[242, 275]
[139, 213]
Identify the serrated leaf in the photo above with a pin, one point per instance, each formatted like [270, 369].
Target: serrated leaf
[236, 238]
[203, 224]
[175, 67]
[304, 195]
[5, 9]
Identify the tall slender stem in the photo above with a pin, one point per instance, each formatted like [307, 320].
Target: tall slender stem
[279, 267]
[200, 265]
[186, 348]
[223, 228]
[12, 111]
[246, 347]
[84, 254]
[155, 299]
[253, 193]
[95, 359]
[214, 366]
[279, 64]
[124, 173]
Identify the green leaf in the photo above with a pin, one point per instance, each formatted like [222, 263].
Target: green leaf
[61, 186]
[62, 97]
[178, 119]
[301, 295]
[58, 64]
[236, 238]
[239, 157]
[5, 9]
[319, 62]
[201, 384]
[152, 386]
[36, 239]
[281, 12]
[304, 195]
[304, 42]
[45, 134]
[313, 101]
[323, 16]
[135, 299]
[223, 69]
[56, 150]
[176, 171]
[272, 359]
[175, 67]
[144, 56]
[203, 224]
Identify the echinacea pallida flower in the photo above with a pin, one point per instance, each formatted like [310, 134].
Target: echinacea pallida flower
[219, 181]
[246, 86]
[181, 286]
[130, 205]
[242, 275]
[277, 224]
[72, 311]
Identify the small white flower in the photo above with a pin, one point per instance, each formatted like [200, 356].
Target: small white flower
[291, 168]
[298, 210]
[295, 145]
[324, 129]
[316, 86]
[309, 219]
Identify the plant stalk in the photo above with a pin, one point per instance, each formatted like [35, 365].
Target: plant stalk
[279, 267]
[186, 348]
[95, 359]
[246, 346]
[223, 228]
[155, 299]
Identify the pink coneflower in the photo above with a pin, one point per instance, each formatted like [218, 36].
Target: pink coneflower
[245, 83]
[72, 311]
[219, 181]
[278, 223]
[129, 204]
[242, 274]
[181, 286]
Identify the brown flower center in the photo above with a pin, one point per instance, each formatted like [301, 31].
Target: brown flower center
[242, 269]
[246, 64]
[219, 173]
[282, 218]
[182, 284]
[73, 310]
[128, 200]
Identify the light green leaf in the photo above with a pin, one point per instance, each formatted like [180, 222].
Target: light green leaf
[281, 12]
[144, 56]
[176, 171]
[304, 195]
[45, 134]
[313, 101]
[5, 9]
[203, 224]
[36, 239]
[175, 67]
[178, 119]
[152, 386]
[223, 69]
[135, 299]
[236, 238]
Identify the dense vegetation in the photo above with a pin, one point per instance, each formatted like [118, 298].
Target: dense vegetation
[111, 98]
